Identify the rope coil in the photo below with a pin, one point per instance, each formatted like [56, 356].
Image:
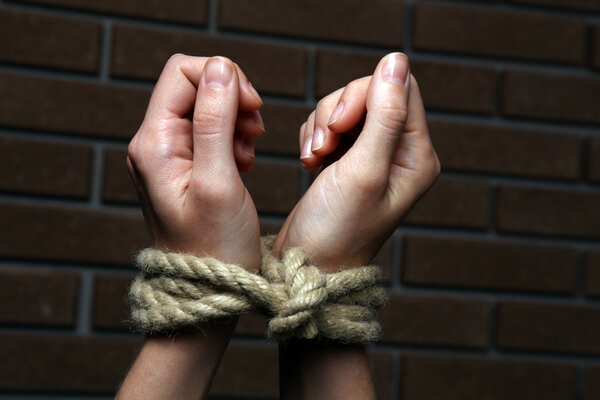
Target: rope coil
[176, 290]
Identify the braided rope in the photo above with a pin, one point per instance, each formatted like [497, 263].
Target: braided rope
[179, 290]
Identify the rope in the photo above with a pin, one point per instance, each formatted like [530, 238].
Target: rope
[176, 290]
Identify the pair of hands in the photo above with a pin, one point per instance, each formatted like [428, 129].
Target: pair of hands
[198, 134]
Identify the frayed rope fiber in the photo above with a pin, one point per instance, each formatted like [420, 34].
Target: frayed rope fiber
[176, 290]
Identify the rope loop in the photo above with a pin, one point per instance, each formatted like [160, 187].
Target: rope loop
[176, 290]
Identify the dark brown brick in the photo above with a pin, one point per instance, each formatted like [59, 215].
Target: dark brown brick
[33, 166]
[111, 305]
[435, 321]
[456, 87]
[186, 11]
[70, 107]
[64, 363]
[117, 186]
[595, 46]
[551, 96]
[247, 370]
[482, 31]
[593, 161]
[592, 273]
[425, 377]
[270, 227]
[370, 23]
[336, 69]
[73, 235]
[584, 5]
[380, 363]
[274, 186]
[549, 327]
[548, 211]
[48, 41]
[524, 152]
[282, 124]
[443, 85]
[453, 202]
[486, 264]
[142, 53]
[38, 297]
[592, 383]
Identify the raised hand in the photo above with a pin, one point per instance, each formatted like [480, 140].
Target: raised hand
[184, 160]
[196, 135]
[361, 196]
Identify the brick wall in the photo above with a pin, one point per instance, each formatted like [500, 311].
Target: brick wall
[494, 276]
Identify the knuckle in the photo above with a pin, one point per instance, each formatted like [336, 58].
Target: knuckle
[391, 116]
[435, 166]
[353, 85]
[209, 120]
[325, 102]
[213, 194]
[413, 82]
[431, 168]
[175, 60]
[133, 149]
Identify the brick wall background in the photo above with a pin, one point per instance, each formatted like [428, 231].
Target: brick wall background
[494, 276]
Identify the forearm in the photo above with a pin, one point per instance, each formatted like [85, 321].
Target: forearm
[322, 369]
[325, 369]
[180, 366]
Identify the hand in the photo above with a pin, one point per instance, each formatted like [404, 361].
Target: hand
[184, 160]
[361, 196]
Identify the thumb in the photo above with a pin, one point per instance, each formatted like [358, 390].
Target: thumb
[215, 114]
[387, 109]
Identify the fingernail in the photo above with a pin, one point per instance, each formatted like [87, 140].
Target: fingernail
[259, 121]
[306, 149]
[337, 113]
[395, 68]
[318, 138]
[217, 72]
[254, 93]
[248, 146]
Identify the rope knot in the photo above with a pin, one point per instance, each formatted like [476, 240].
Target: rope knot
[306, 290]
[338, 306]
[177, 290]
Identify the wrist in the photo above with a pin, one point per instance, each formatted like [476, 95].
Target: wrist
[326, 369]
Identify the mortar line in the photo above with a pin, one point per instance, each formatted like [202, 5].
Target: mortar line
[105, 51]
[213, 15]
[84, 303]
[396, 372]
[96, 176]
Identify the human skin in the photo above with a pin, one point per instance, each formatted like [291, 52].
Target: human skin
[185, 161]
[354, 205]
[186, 173]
